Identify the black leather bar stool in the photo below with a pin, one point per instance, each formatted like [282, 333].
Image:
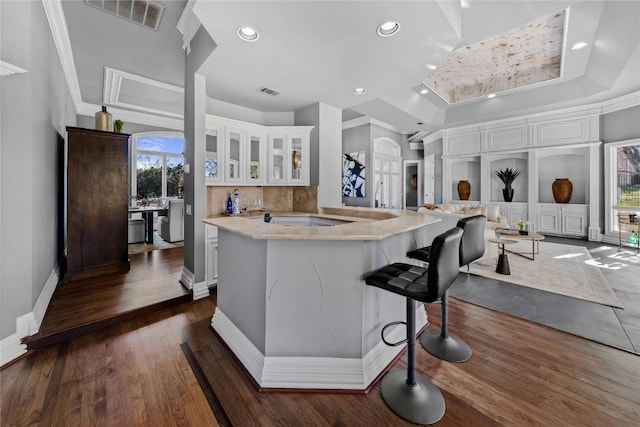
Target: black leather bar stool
[412, 396]
[441, 343]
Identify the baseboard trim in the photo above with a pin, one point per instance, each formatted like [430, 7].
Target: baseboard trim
[200, 290]
[187, 278]
[12, 347]
[316, 373]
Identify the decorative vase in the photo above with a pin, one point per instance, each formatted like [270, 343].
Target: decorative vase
[104, 120]
[523, 232]
[507, 193]
[562, 189]
[464, 189]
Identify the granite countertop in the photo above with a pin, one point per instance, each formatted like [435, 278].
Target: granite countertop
[366, 224]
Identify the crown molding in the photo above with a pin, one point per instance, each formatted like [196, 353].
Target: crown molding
[188, 25]
[86, 109]
[432, 137]
[627, 101]
[7, 69]
[113, 82]
[58, 24]
[366, 120]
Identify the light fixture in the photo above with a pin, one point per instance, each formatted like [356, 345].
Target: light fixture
[431, 66]
[248, 34]
[491, 95]
[424, 92]
[578, 45]
[387, 29]
[465, 4]
[359, 91]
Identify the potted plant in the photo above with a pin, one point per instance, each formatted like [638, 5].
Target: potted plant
[118, 125]
[507, 176]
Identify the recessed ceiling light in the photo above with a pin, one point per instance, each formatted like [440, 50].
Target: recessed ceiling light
[491, 95]
[578, 45]
[359, 91]
[424, 92]
[431, 66]
[465, 4]
[248, 34]
[387, 29]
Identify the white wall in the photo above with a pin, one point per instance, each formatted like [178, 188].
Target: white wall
[35, 108]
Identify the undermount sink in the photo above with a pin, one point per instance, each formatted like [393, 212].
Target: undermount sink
[303, 220]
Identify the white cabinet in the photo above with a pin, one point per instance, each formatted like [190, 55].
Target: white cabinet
[211, 255]
[289, 156]
[242, 153]
[512, 211]
[245, 154]
[563, 220]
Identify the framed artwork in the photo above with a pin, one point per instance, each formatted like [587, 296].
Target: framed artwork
[353, 174]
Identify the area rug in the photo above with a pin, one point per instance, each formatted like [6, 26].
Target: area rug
[561, 269]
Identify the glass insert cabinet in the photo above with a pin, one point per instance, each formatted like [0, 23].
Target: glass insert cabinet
[243, 153]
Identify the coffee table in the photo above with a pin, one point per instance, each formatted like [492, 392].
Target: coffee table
[515, 234]
[502, 267]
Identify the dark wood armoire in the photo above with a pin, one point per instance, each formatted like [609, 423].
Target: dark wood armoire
[97, 202]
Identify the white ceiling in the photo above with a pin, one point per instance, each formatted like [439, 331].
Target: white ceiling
[319, 51]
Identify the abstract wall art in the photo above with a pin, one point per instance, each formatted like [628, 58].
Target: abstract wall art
[353, 174]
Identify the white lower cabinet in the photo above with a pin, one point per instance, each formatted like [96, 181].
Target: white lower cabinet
[512, 211]
[562, 220]
[211, 255]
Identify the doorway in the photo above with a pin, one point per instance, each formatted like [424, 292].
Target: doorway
[429, 179]
[412, 188]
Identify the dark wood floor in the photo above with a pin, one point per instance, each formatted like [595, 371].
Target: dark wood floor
[137, 373]
[82, 306]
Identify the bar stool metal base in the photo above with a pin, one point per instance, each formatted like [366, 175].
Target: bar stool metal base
[419, 404]
[451, 349]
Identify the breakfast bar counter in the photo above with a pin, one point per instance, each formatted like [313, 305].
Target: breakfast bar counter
[292, 304]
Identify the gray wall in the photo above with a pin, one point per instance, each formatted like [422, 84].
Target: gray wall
[435, 148]
[35, 108]
[620, 125]
[195, 103]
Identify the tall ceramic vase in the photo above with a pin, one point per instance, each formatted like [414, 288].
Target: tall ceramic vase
[464, 189]
[562, 189]
[104, 120]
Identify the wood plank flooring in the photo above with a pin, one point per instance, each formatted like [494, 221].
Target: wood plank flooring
[85, 305]
[135, 373]
[520, 374]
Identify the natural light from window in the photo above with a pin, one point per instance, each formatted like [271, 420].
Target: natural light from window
[159, 168]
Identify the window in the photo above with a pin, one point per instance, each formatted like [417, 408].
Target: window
[622, 181]
[158, 171]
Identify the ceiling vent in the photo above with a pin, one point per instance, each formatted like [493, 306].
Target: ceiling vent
[268, 91]
[143, 12]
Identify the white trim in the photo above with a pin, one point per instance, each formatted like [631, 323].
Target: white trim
[113, 83]
[7, 69]
[187, 279]
[58, 24]
[200, 290]
[328, 373]
[416, 146]
[188, 25]
[11, 347]
[40, 307]
[622, 102]
[432, 137]
[86, 109]
[366, 120]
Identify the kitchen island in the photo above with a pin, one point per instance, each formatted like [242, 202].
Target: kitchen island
[292, 304]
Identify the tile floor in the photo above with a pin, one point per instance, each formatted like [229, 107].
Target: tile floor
[612, 326]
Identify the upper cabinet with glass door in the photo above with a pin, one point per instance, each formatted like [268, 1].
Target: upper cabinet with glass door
[289, 155]
[242, 153]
